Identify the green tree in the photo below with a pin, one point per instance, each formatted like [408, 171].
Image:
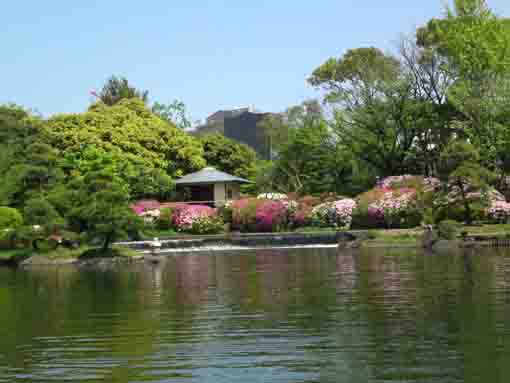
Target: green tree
[16, 133]
[33, 175]
[174, 113]
[229, 156]
[142, 181]
[117, 89]
[475, 46]
[377, 116]
[102, 206]
[461, 172]
[132, 134]
[310, 162]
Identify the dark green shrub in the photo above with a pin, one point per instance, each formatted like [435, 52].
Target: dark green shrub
[448, 229]
[39, 211]
[456, 212]
[226, 213]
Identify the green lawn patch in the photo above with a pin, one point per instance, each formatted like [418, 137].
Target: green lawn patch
[156, 233]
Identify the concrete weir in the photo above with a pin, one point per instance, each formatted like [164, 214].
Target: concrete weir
[238, 241]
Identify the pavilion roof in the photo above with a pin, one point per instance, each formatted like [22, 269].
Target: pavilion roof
[209, 176]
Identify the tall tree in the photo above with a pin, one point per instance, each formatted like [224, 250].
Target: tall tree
[118, 88]
[174, 113]
[376, 112]
[475, 46]
[461, 173]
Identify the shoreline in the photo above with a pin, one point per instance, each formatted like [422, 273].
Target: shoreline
[193, 244]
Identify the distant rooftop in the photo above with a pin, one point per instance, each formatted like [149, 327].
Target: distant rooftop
[209, 176]
[220, 115]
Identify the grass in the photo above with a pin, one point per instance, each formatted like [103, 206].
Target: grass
[501, 229]
[158, 233]
[83, 252]
[315, 229]
[409, 236]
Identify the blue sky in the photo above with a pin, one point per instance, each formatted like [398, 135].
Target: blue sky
[212, 54]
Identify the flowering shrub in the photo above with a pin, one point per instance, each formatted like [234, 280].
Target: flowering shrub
[394, 207]
[254, 214]
[272, 196]
[343, 212]
[271, 215]
[499, 212]
[451, 205]
[389, 206]
[183, 218]
[335, 214]
[303, 216]
[143, 206]
[207, 225]
[165, 219]
[309, 201]
[409, 181]
[244, 213]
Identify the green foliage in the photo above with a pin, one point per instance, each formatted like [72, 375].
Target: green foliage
[226, 213]
[207, 225]
[164, 221]
[40, 212]
[10, 218]
[117, 89]
[113, 252]
[129, 130]
[448, 229]
[310, 162]
[460, 172]
[102, 208]
[142, 182]
[229, 156]
[174, 113]
[35, 174]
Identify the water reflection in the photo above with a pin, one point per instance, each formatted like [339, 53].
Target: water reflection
[272, 315]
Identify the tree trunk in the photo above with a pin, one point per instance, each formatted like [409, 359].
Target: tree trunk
[467, 207]
[106, 243]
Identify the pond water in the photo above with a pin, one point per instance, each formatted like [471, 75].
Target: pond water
[310, 315]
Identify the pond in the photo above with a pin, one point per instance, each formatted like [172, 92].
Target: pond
[309, 315]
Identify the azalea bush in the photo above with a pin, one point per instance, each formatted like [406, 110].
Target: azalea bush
[301, 214]
[334, 214]
[499, 212]
[244, 213]
[207, 225]
[143, 206]
[262, 215]
[166, 214]
[397, 209]
[184, 218]
[272, 196]
[450, 206]
[271, 216]
[396, 202]
[148, 210]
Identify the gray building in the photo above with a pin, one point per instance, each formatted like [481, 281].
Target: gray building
[241, 125]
